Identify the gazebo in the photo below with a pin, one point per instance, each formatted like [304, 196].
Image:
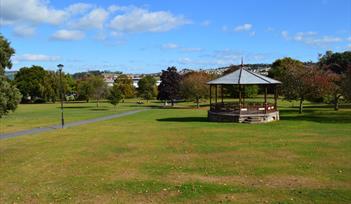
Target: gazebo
[241, 111]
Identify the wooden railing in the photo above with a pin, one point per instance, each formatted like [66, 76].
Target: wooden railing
[247, 108]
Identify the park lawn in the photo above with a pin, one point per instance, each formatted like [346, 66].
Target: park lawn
[29, 116]
[176, 156]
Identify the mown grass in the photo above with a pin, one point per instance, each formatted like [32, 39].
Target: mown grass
[176, 156]
[29, 116]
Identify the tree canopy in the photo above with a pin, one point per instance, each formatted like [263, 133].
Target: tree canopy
[125, 84]
[6, 52]
[193, 86]
[300, 82]
[115, 95]
[169, 88]
[147, 87]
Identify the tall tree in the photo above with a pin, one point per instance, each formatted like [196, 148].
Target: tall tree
[9, 97]
[115, 95]
[125, 84]
[9, 94]
[99, 88]
[30, 82]
[336, 65]
[85, 89]
[147, 88]
[6, 52]
[169, 88]
[193, 86]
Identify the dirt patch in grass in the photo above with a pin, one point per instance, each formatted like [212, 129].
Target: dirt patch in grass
[281, 181]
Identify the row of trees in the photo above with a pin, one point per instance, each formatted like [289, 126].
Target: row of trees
[327, 81]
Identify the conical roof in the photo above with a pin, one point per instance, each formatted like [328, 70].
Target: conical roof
[243, 76]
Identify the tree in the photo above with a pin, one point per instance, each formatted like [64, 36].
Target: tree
[346, 85]
[193, 86]
[125, 84]
[30, 82]
[147, 87]
[9, 94]
[9, 97]
[6, 52]
[99, 88]
[169, 88]
[85, 89]
[300, 82]
[336, 65]
[115, 95]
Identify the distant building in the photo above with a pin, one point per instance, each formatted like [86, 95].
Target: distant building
[110, 78]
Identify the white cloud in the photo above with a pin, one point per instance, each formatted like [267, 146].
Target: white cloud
[348, 39]
[141, 20]
[32, 11]
[24, 31]
[36, 57]
[174, 46]
[94, 19]
[170, 46]
[311, 38]
[68, 35]
[242, 28]
[78, 8]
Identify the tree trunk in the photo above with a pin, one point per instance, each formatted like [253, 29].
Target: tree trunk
[172, 102]
[97, 103]
[301, 105]
[197, 102]
[336, 102]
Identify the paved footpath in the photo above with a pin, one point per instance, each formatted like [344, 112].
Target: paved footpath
[71, 124]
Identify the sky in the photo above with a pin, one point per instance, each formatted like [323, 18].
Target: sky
[139, 36]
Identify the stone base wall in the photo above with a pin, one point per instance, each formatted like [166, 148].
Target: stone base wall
[252, 118]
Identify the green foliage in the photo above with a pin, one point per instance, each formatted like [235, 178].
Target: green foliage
[115, 95]
[193, 86]
[147, 87]
[281, 66]
[99, 88]
[9, 97]
[30, 82]
[6, 52]
[300, 82]
[169, 88]
[84, 89]
[336, 62]
[125, 84]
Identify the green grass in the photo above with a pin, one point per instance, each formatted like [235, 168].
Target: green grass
[176, 156]
[29, 116]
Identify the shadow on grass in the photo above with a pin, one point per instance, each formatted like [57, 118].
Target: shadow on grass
[341, 119]
[99, 109]
[75, 107]
[184, 119]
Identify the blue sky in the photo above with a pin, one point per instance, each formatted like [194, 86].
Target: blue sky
[148, 36]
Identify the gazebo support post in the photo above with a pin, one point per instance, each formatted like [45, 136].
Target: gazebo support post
[265, 99]
[216, 94]
[275, 98]
[222, 93]
[243, 94]
[239, 98]
[210, 97]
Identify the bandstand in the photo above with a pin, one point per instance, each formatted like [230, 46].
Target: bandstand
[241, 111]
